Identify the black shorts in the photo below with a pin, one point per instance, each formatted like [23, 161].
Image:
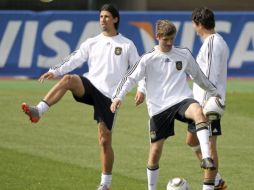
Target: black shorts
[101, 103]
[214, 128]
[162, 124]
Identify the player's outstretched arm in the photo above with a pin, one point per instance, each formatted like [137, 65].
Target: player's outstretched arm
[116, 103]
[46, 76]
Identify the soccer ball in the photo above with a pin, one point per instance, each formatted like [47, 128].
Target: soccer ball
[214, 108]
[177, 184]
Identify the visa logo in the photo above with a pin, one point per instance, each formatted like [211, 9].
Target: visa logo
[28, 43]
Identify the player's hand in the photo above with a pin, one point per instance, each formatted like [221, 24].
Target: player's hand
[46, 76]
[116, 103]
[139, 98]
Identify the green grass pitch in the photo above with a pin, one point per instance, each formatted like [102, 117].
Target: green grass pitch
[61, 152]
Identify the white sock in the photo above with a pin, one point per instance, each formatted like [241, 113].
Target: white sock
[106, 179]
[208, 187]
[152, 176]
[42, 107]
[217, 179]
[203, 137]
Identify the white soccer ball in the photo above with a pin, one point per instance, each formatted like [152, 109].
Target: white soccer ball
[214, 108]
[177, 184]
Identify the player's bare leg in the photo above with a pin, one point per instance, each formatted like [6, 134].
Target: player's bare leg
[106, 154]
[220, 184]
[153, 163]
[192, 141]
[68, 82]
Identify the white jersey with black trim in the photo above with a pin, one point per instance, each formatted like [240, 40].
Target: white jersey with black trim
[212, 59]
[166, 78]
[108, 60]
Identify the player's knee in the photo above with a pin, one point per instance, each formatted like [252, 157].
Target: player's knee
[104, 139]
[65, 81]
[199, 110]
[105, 144]
[194, 145]
[199, 116]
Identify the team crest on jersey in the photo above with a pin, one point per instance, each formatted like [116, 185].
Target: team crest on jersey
[179, 65]
[152, 135]
[118, 50]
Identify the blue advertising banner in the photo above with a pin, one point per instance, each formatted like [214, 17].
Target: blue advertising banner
[32, 42]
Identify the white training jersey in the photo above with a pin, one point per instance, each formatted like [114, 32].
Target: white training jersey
[108, 60]
[212, 59]
[166, 78]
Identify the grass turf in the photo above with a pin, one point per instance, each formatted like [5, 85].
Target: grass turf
[61, 151]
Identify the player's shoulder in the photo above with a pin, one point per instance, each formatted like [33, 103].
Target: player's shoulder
[217, 36]
[221, 39]
[149, 54]
[184, 51]
[94, 38]
[124, 39]
[218, 41]
[91, 40]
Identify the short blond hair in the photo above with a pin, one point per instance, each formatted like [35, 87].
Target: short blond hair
[165, 28]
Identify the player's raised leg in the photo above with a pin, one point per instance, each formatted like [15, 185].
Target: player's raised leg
[68, 82]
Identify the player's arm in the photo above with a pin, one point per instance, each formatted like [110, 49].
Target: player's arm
[71, 62]
[135, 74]
[141, 90]
[199, 77]
[216, 61]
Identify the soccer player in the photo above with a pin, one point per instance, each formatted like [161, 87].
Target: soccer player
[212, 59]
[109, 55]
[168, 95]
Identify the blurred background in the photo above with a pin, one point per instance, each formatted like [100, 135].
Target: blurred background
[38, 34]
[40, 5]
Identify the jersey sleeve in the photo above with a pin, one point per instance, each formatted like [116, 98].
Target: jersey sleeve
[198, 76]
[215, 64]
[133, 54]
[74, 60]
[135, 74]
[134, 58]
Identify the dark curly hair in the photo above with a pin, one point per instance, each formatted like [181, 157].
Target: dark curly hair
[204, 16]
